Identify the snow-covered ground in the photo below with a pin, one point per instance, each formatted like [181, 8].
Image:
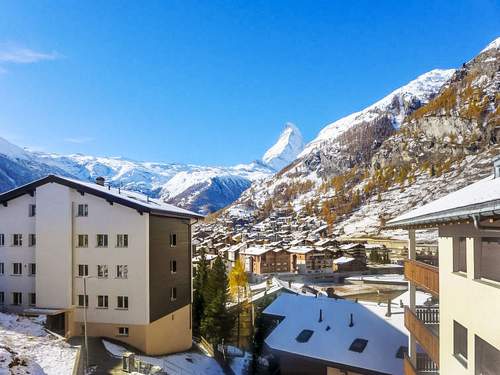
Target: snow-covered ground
[29, 349]
[181, 363]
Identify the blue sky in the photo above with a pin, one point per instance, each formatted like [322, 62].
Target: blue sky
[213, 82]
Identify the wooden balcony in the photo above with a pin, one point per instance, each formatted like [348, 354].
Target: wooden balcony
[425, 366]
[425, 336]
[424, 275]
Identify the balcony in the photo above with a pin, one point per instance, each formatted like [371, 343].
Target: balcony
[424, 275]
[424, 325]
[425, 366]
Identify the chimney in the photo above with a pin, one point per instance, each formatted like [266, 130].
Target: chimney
[388, 313]
[99, 181]
[496, 166]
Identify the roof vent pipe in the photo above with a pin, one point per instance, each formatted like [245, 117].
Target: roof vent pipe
[389, 312]
[99, 181]
[351, 321]
[320, 315]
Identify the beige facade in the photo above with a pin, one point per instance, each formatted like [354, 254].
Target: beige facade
[466, 298]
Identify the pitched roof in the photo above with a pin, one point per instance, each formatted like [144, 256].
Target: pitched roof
[332, 345]
[126, 198]
[482, 197]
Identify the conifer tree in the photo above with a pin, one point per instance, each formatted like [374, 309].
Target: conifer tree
[217, 321]
[199, 284]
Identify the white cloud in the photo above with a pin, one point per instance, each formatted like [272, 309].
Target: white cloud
[13, 54]
[79, 140]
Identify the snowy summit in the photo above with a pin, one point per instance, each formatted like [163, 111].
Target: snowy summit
[285, 150]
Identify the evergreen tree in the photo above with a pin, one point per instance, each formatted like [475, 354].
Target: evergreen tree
[217, 321]
[199, 284]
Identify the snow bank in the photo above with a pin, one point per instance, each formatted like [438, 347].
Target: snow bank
[32, 350]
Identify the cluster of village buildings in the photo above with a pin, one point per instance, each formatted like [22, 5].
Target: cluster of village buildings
[290, 244]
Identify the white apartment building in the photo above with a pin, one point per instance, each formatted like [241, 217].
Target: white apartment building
[134, 252]
[463, 335]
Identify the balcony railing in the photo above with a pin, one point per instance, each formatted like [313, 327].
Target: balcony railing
[426, 337]
[426, 276]
[425, 365]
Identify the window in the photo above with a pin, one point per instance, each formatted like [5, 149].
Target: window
[2, 268]
[83, 270]
[401, 352]
[490, 259]
[122, 302]
[32, 269]
[173, 239]
[32, 239]
[32, 299]
[173, 294]
[83, 240]
[83, 210]
[83, 300]
[102, 240]
[2, 298]
[32, 210]
[122, 240]
[122, 331]
[460, 343]
[102, 271]
[304, 335]
[2, 239]
[460, 255]
[487, 358]
[17, 240]
[173, 266]
[17, 269]
[17, 298]
[102, 302]
[121, 271]
[358, 345]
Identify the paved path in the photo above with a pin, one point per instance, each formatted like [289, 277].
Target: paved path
[99, 356]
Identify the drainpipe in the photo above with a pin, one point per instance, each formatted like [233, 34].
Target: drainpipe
[477, 224]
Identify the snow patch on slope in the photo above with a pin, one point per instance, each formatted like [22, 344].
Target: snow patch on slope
[422, 89]
[290, 143]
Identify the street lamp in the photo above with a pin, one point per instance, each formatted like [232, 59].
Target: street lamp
[85, 307]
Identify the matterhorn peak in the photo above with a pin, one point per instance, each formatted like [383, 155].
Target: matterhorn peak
[290, 143]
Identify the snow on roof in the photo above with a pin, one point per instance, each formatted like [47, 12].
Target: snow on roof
[256, 250]
[134, 198]
[482, 196]
[349, 246]
[208, 257]
[343, 260]
[300, 249]
[302, 313]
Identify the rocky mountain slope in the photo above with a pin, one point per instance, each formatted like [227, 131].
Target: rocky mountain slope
[201, 188]
[432, 136]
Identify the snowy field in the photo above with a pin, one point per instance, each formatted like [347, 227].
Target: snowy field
[26, 348]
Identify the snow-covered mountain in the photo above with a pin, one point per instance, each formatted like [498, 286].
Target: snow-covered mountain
[201, 188]
[396, 106]
[432, 136]
[288, 146]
